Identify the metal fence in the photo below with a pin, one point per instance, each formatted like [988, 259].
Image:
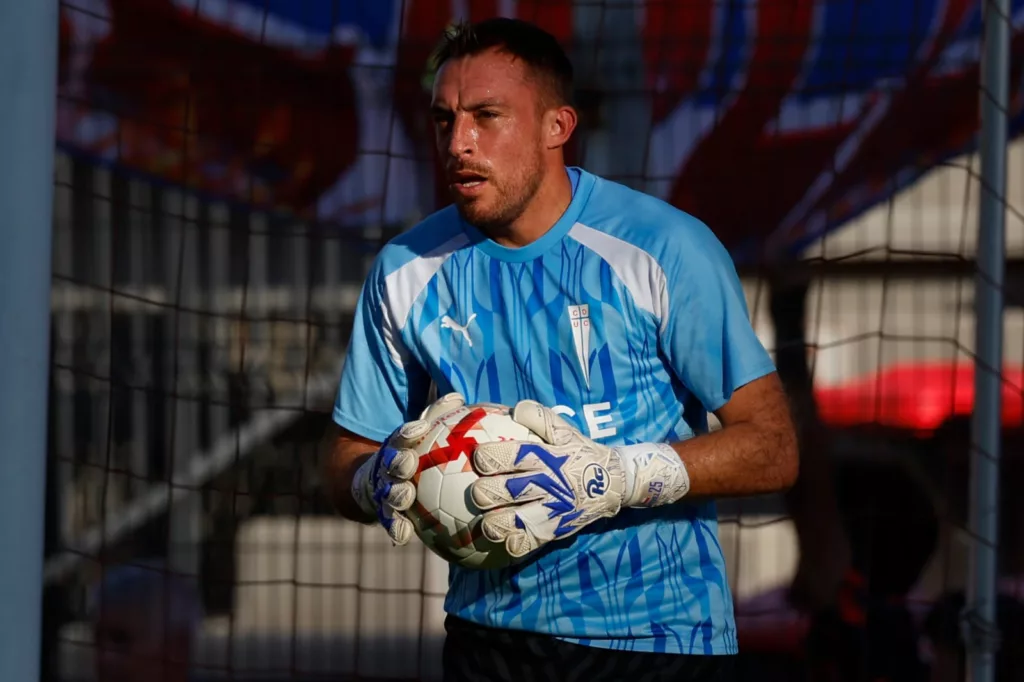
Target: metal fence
[195, 349]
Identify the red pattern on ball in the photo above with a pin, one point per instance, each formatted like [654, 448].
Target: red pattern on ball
[459, 442]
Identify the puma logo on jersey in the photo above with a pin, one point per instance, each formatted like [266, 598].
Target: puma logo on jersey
[449, 323]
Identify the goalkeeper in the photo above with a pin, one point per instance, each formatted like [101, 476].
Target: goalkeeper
[612, 323]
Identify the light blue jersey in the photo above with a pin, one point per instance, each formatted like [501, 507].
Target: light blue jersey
[629, 317]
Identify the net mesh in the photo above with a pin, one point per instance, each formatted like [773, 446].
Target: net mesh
[227, 171]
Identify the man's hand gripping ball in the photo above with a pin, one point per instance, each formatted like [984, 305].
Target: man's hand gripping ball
[534, 493]
[383, 485]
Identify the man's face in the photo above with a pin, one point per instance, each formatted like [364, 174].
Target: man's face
[489, 126]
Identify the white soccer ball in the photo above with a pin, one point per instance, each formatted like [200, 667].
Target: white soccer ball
[444, 515]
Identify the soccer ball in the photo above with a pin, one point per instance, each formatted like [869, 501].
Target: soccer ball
[444, 515]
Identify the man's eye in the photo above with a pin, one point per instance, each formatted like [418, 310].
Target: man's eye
[487, 114]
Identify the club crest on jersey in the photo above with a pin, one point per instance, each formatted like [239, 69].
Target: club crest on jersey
[579, 319]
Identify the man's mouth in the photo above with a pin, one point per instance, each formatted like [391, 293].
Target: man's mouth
[468, 179]
[468, 183]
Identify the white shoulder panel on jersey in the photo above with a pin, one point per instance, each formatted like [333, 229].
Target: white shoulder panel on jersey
[403, 286]
[638, 270]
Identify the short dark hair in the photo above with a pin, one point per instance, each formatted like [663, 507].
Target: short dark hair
[537, 48]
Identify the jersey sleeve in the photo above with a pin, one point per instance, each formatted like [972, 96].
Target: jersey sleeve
[380, 381]
[706, 331]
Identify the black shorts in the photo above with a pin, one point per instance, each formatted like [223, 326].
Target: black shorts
[473, 653]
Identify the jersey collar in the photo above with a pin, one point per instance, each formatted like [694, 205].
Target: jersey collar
[583, 186]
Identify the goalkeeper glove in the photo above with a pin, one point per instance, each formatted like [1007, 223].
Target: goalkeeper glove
[382, 486]
[534, 493]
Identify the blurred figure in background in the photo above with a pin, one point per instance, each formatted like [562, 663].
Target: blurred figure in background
[825, 554]
[866, 529]
[145, 621]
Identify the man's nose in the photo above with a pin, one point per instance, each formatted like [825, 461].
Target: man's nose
[463, 140]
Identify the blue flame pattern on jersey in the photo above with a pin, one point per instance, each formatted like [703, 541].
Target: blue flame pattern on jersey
[628, 319]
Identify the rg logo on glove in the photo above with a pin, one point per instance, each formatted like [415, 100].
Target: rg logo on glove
[595, 480]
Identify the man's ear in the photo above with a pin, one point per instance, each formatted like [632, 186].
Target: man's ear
[559, 125]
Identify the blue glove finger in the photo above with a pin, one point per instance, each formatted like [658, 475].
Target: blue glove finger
[380, 491]
[386, 520]
[380, 465]
[388, 456]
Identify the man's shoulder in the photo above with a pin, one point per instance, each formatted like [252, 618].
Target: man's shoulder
[626, 217]
[434, 237]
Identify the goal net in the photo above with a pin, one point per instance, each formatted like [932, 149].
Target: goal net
[227, 170]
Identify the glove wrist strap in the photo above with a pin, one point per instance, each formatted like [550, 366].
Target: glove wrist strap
[654, 475]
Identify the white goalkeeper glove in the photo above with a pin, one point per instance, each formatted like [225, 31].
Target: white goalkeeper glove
[382, 485]
[538, 492]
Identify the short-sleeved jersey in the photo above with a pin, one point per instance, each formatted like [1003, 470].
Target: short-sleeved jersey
[628, 318]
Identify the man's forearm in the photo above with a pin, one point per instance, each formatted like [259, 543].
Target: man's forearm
[741, 459]
[343, 458]
[341, 471]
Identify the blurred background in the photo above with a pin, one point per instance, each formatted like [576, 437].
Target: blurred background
[227, 169]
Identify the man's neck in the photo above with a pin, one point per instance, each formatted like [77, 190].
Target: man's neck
[548, 205]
